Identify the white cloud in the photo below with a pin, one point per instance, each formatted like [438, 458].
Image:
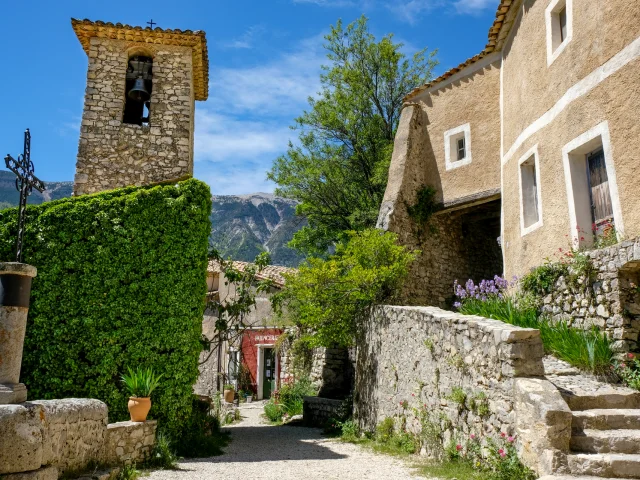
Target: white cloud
[279, 86]
[412, 11]
[474, 6]
[223, 138]
[244, 125]
[247, 39]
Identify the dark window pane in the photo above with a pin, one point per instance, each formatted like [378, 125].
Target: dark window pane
[562, 16]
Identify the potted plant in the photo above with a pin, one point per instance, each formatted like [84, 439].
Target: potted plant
[140, 384]
[229, 393]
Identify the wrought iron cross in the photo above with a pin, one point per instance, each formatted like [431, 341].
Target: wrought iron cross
[25, 183]
[151, 23]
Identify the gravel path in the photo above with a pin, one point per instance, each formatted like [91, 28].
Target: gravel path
[261, 451]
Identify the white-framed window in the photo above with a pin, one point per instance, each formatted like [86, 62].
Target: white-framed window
[457, 146]
[592, 189]
[559, 20]
[530, 197]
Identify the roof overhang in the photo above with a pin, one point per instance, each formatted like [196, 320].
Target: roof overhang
[498, 32]
[196, 40]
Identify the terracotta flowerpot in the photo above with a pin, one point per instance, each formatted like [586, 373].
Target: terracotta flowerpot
[228, 396]
[139, 408]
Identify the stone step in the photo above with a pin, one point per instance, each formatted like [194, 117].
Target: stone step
[605, 465]
[606, 419]
[615, 398]
[606, 441]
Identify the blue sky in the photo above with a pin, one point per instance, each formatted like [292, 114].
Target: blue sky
[265, 58]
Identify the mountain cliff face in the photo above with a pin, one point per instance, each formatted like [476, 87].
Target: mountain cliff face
[242, 226]
[10, 197]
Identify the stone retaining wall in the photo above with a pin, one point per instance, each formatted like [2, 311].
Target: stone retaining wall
[129, 442]
[411, 361]
[609, 301]
[43, 439]
[332, 372]
[318, 411]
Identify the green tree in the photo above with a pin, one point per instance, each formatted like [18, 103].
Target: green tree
[328, 298]
[338, 172]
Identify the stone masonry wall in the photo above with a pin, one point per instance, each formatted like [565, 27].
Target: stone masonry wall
[419, 355]
[318, 411]
[610, 301]
[43, 439]
[332, 372]
[129, 442]
[455, 249]
[113, 154]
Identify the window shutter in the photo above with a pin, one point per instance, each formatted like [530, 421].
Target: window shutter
[599, 182]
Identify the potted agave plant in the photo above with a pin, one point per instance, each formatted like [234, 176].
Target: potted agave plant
[140, 384]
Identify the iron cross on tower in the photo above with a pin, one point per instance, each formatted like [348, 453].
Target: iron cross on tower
[25, 183]
[151, 23]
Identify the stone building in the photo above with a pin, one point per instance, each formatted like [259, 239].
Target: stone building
[254, 348]
[138, 118]
[531, 145]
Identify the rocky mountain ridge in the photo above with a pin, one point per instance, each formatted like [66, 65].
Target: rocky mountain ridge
[242, 226]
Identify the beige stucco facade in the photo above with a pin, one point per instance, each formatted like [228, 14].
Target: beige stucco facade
[593, 84]
[531, 99]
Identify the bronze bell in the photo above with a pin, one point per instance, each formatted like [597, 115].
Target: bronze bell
[139, 92]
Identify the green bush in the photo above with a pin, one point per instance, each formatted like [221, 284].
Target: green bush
[385, 430]
[541, 280]
[201, 435]
[291, 395]
[273, 411]
[328, 298]
[121, 283]
[162, 455]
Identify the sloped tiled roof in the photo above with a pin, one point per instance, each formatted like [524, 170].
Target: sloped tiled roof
[492, 44]
[196, 40]
[270, 272]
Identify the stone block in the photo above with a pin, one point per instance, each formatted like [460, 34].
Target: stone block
[21, 435]
[73, 432]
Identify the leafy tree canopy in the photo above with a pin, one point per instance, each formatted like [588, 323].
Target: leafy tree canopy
[328, 298]
[338, 172]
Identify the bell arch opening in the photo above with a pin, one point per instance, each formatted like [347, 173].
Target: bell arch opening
[138, 88]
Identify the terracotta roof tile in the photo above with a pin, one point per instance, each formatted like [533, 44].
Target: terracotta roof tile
[270, 272]
[494, 31]
[86, 29]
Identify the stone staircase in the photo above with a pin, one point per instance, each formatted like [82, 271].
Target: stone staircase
[605, 436]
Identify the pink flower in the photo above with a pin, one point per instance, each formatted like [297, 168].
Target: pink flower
[458, 447]
[501, 452]
[413, 394]
[472, 436]
[502, 434]
[510, 439]
[630, 355]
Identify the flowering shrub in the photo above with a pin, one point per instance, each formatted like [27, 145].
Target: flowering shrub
[605, 234]
[486, 289]
[629, 371]
[499, 457]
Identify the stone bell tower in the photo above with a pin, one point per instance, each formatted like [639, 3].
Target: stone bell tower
[138, 118]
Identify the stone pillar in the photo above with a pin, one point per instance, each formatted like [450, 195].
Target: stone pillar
[15, 288]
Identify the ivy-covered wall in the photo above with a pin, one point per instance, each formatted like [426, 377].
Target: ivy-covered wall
[121, 282]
